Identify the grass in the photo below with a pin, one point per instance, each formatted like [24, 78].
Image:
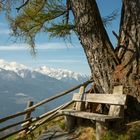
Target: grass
[130, 133]
[38, 131]
[84, 132]
[32, 136]
[110, 135]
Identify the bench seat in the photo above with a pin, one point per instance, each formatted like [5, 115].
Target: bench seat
[115, 101]
[88, 115]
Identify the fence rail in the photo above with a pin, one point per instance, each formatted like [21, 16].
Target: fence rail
[27, 123]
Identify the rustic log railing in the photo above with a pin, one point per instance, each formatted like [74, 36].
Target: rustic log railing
[29, 123]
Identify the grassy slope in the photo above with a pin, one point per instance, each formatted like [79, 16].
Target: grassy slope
[85, 132]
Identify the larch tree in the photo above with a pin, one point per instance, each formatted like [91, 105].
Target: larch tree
[109, 66]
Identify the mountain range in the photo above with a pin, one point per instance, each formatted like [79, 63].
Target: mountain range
[18, 84]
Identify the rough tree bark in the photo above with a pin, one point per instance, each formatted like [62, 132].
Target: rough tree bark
[108, 69]
[129, 52]
[95, 41]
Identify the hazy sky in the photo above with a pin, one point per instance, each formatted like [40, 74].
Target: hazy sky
[54, 53]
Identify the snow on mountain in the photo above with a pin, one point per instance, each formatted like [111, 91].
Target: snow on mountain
[13, 66]
[18, 84]
[19, 69]
[59, 74]
[8, 75]
[62, 74]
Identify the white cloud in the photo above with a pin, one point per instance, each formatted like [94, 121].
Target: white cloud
[63, 61]
[22, 46]
[13, 47]
[55, 45]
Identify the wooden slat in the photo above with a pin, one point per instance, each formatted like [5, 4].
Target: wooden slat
[49, 116]
[80, 105]
[13, 116]
[15, 124]
[116, 110]
[13, 133]
[88, 115]
[51, 112]
[101, 98]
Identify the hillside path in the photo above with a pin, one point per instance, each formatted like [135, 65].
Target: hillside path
[56, 133]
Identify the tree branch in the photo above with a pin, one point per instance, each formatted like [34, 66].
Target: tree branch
[68, 6]
[25, 3]
[115, 34]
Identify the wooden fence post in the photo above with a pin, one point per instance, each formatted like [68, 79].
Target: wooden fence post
[29, 104]
[28, 115]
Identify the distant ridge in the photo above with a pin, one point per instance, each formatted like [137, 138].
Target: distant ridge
[59, 74]
[18, 84]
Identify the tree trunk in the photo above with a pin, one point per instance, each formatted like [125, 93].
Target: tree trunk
[107, 69]
[95, 41]
[129, 52]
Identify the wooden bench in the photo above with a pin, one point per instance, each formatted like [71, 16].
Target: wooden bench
[116, 110]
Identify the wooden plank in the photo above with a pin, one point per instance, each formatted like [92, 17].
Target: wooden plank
[117, 110]
[15, 124]
[81, 105]
[88, 115]
[48, 116]
[13, 116]
[113, 99]
[52, 111]
[11, 134]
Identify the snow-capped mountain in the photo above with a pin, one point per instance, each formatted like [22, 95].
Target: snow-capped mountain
[62, 74]
[18, 84]
[13, 66]
[59, 74]
[19, 69]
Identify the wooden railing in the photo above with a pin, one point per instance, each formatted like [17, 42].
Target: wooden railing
[29, 123]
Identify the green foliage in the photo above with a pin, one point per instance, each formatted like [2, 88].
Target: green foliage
[49, 16]
[38, 16]
[62, 125]
[60, 30]
[110, 135]
[132, 133]
[0, 6]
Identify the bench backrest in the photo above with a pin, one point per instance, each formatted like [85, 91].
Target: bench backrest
[116, 100]
[113, 99]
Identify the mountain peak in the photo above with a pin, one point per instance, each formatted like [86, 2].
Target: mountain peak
[61, 74]
[13, 66]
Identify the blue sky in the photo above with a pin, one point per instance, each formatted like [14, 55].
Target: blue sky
[54, 53]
